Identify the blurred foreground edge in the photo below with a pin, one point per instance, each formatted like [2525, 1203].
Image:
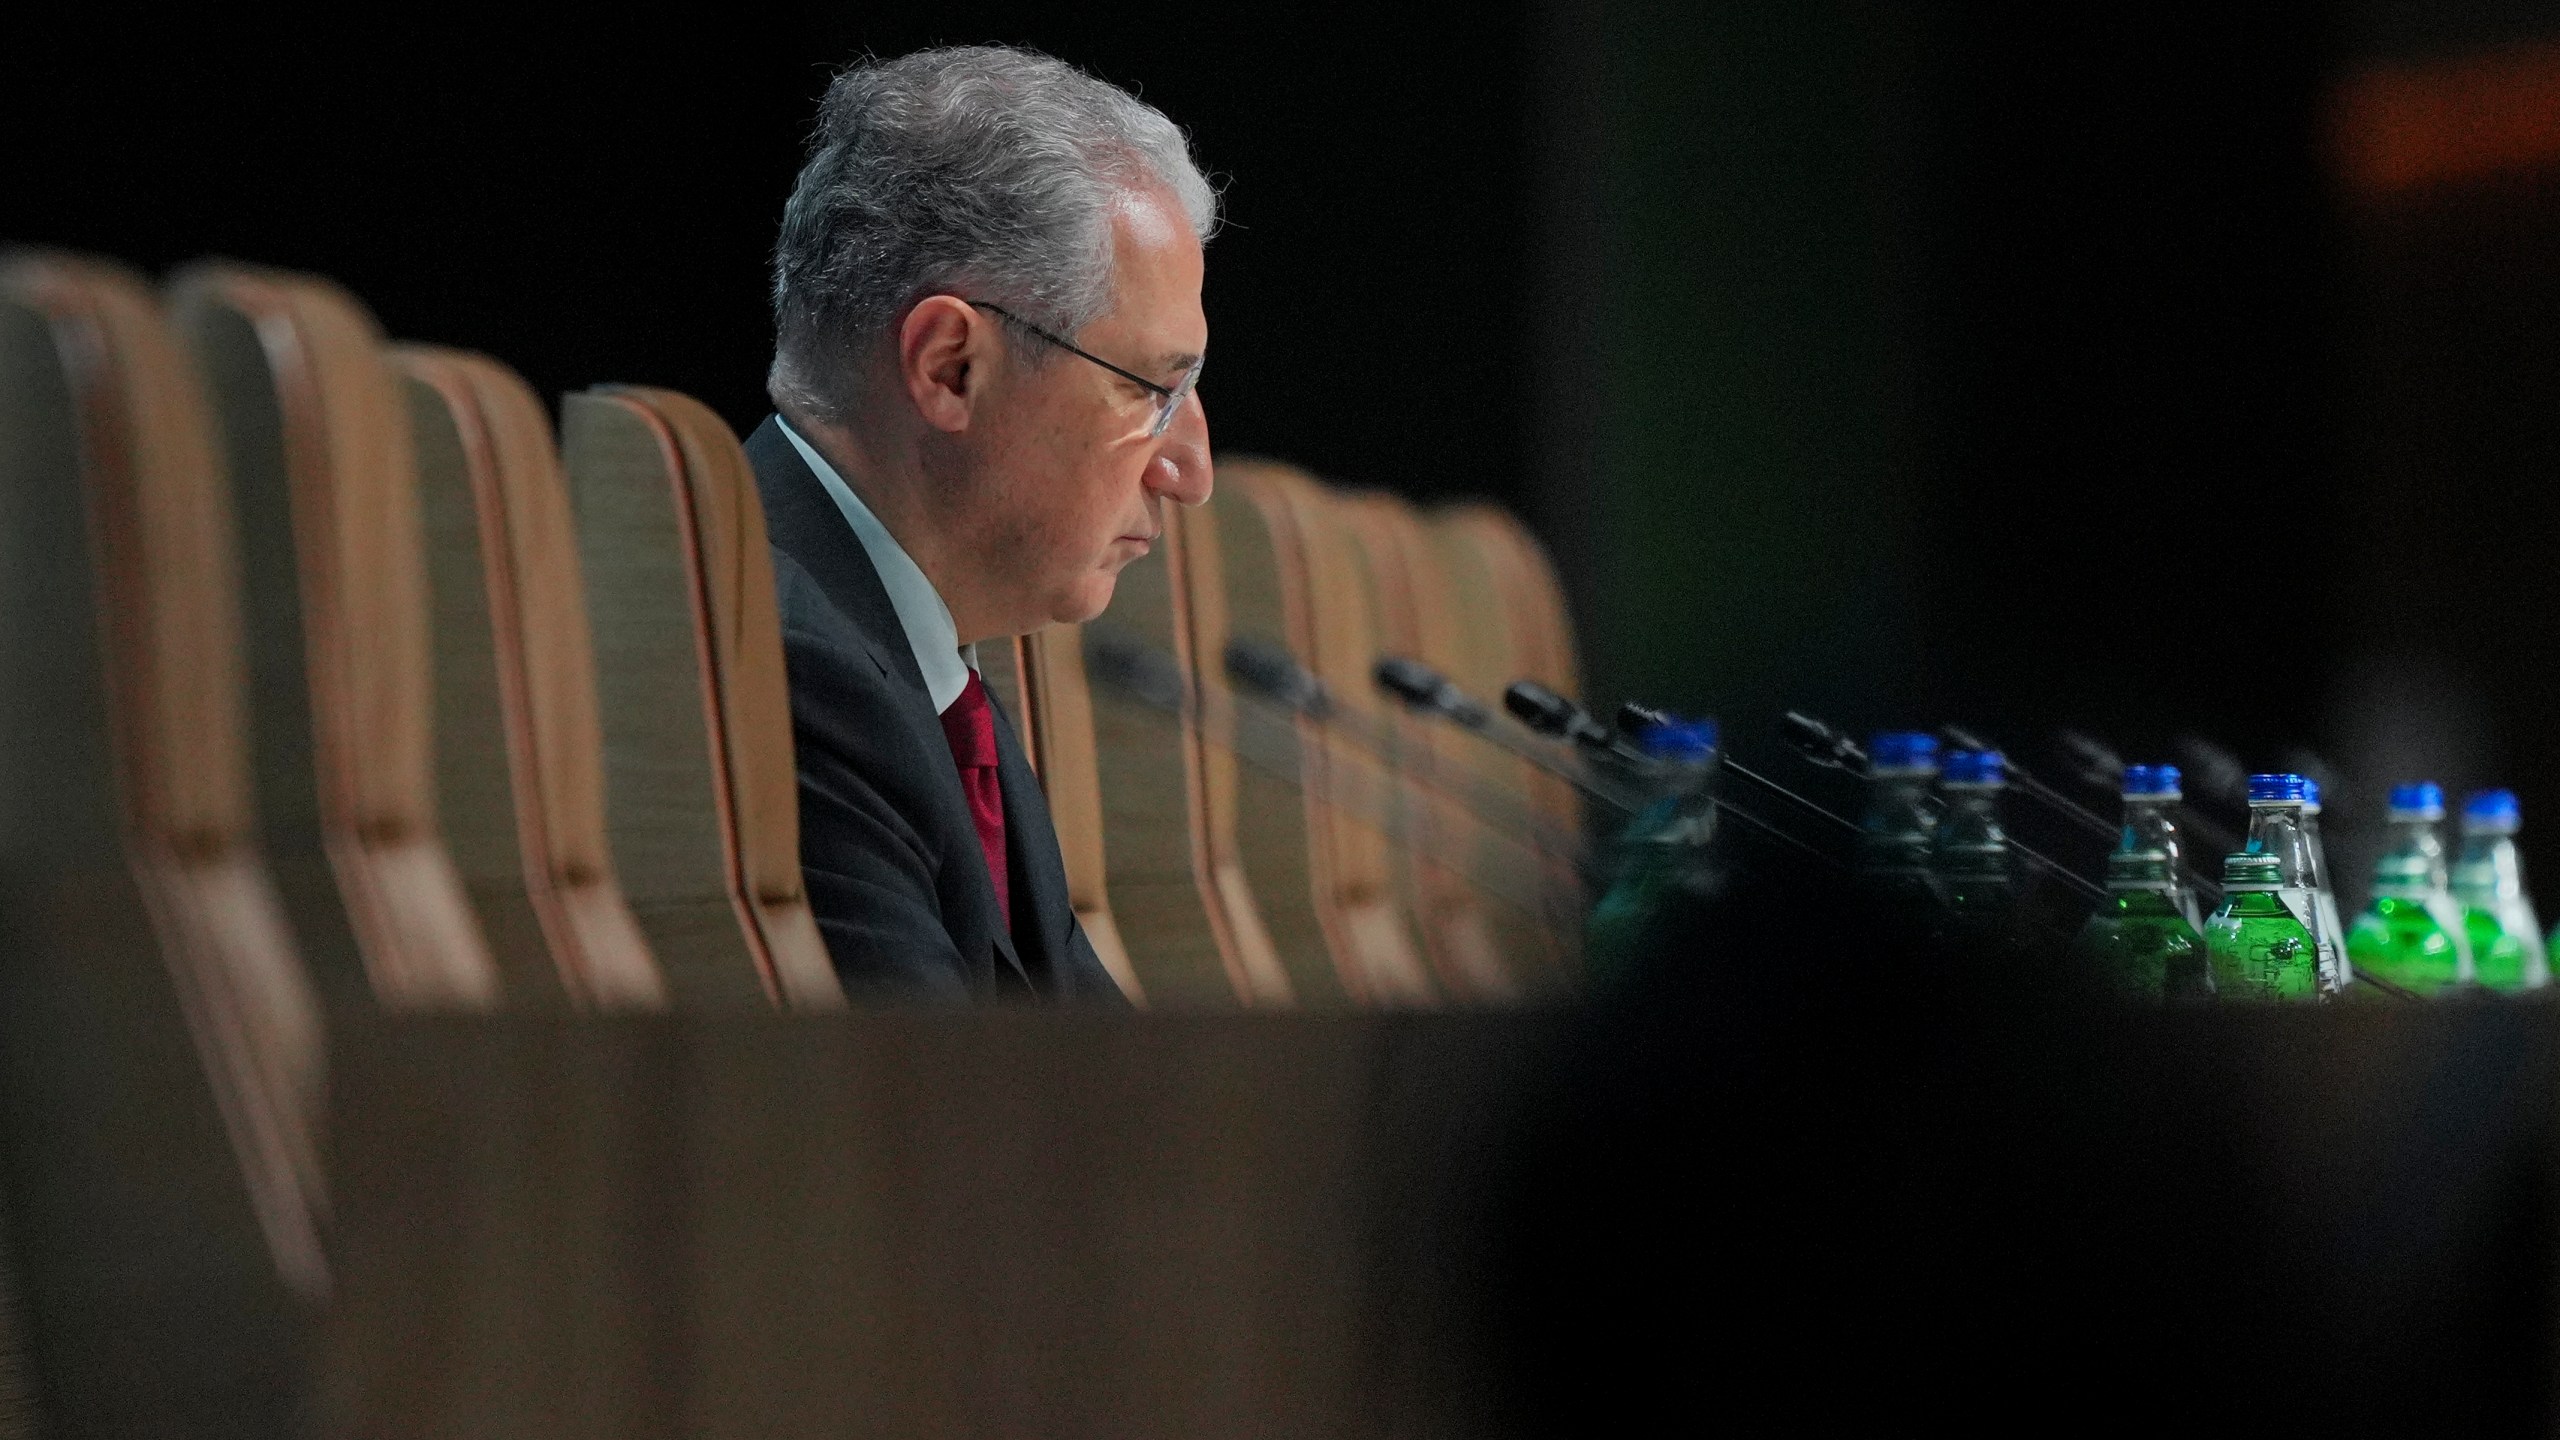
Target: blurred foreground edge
[1744, 1193]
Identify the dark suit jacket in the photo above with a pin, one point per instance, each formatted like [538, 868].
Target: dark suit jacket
[895, 871]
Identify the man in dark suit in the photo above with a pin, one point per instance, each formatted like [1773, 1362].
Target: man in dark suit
[989, 333]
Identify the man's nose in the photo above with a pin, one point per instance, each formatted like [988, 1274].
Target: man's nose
[1180, 469]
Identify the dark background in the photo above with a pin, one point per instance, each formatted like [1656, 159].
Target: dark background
[1907, 365]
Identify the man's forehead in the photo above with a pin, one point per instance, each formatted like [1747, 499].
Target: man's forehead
[1160, 265]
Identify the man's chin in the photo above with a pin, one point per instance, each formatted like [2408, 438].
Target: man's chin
[1087, 600]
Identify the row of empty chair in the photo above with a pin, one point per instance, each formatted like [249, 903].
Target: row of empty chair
[333, 677]
[1377, 860]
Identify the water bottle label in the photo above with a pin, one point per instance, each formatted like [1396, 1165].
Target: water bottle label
[2516, 915]
[2442, 909]
[2303, 904]
[2335, 936]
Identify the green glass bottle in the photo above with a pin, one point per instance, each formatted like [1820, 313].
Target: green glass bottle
[2138, 943]
[2413, 935]
[2277, 830]
[2257, 945]
[2151, 793]
[2506, 939]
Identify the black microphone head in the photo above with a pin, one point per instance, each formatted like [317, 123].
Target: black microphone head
[1274, 674]
[1424, 688]
[1822, 743]
[2093, 760]
[1134, 668]
[2213, 771]
[1635, 719]
[1411, 681]
[1540, 708]
[1964, 739]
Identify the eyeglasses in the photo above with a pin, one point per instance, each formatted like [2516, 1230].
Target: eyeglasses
[1168, 398]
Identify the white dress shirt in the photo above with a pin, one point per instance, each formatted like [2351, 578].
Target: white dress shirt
[931, 632]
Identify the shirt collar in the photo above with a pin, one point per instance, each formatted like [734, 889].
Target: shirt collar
[931, 632]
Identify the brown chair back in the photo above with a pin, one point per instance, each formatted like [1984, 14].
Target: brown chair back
[519, 754]
[1355, 811]
[157, 1156]
[1443, 863]
[1514, 627]
[1217, 794]
[1178, 924]
[1238, 591]
[1040, 678]
[701, 802]
[316, 435]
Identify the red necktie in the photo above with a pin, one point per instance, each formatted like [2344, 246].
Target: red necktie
[970, 726]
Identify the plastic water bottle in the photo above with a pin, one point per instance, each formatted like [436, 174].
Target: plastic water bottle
[1968, 851]
[2506, 939]
[2150, 793]
[2259, 942]
[2323, 884]
[1666, 852]
[2413, 935]
[1893, 842]
[2276, 831]
[2138, 943]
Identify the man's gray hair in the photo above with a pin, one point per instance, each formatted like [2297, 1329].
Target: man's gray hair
[979, 170]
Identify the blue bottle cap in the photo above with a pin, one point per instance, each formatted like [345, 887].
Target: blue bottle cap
[2310, 792]
[2492, 810]
[1902, 750]
[2277, 787]
[2417, 800]
[2152, 780]
[1693, 741]
[1974, 767]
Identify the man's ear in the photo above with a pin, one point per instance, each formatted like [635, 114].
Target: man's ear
[944, 345]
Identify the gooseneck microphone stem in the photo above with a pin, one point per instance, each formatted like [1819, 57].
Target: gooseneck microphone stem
[2027, 784]
[1423, 689]
[1265, 734]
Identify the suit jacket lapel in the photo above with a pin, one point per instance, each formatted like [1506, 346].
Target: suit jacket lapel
[1039, 881]
[806, 525]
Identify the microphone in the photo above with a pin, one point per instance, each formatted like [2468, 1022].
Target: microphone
[1272, 673]
[2097, 765]
[1822, 745]
[1140, 671]
[2027, 784]
[2215, 774]
[1549, 713]
[1425, 689]
[1269, 742]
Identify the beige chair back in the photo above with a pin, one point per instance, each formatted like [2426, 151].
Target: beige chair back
[1181, 927]
[1515, 626]
[1444, 861]
[701, 802]
[1235, 579]
[316, 435]
[157, 1154]
[519, 754]
[1041, 681]
[1355, 808]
